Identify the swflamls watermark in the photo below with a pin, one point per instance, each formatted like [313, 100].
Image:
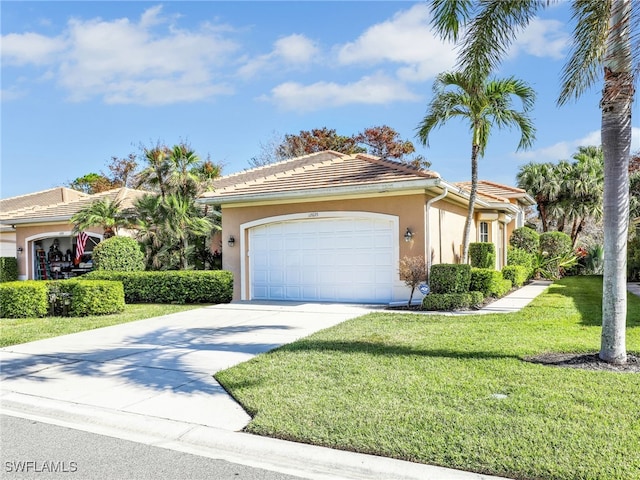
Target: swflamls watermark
[32, 466]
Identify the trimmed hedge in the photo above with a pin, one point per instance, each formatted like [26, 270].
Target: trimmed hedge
[490, 282]
[450, 278]
[118, 254]
[24, 299]
[91, 297]
[555, 244]
[526, 239]
[8, 269]
[518, 256]
[482, 254]
[452, 301]
[518, 274]
[172, 286]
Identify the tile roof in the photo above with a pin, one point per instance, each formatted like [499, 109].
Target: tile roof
[39, 199]
[66, 209]
[326, 169]
[496, 192]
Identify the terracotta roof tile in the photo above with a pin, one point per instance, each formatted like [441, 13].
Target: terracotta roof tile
[319, 170]
[495, 191]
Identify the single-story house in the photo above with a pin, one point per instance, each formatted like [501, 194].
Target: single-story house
[39, 224]
[333, 227]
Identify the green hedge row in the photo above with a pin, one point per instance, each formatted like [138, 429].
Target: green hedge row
[518, 274]
[8, 269]
[24, 299]
[450, 278]
[172, 286]
[61, 297]
[482, 255]
[452, 301]
[490, 282]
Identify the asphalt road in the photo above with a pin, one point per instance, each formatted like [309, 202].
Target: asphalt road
[35, 450]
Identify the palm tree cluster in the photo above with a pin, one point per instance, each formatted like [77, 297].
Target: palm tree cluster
[172, 228]
[604, 49]
[568, 194]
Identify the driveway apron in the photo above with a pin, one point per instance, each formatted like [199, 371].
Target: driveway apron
[162, 367]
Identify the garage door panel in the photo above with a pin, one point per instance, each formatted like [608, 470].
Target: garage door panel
[345, 259]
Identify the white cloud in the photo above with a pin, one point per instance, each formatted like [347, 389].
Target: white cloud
[30, 48]
[406, 39]
[377, 89]
[564, 150]
[145, 62]
[542, 38]
[292, 51]
[12, 93]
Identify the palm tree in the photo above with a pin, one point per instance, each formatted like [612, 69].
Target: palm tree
[483, 103]
[105, 213]
[158, 169]
[601, 43]
[541, 182]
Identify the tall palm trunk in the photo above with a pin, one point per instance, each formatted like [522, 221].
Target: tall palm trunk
[475, 148]
[616, 141]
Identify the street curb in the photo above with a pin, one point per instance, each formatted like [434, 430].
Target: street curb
[282, 456]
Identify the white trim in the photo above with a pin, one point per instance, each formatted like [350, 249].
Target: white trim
[244, 253]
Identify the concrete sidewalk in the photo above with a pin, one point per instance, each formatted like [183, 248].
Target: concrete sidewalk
[152, 381]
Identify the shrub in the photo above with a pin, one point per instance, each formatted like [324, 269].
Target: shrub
[526, 239]
[555, 244]
[172, 286]
[91, 297]
[413, 271]
[482, 254]
[518, 274]
[452, 301]
[8, 269]
[23, 299]
[556, 255]
[518, 256]
[490, 282]
[118, 254]
[450, 278]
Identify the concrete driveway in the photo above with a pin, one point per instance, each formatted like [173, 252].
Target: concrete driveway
[160, 367]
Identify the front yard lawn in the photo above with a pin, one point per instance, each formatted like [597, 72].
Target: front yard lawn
[22, 330]
[456, 392]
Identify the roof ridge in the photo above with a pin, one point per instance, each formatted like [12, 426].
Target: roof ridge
[502, 185]
[402, 166]
[278, 163]
[42, 191]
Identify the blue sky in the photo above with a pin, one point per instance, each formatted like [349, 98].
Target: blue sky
[85, 81]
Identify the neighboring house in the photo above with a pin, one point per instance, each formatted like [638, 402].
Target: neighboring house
[332, 227]
[8, 247]
[41, 226]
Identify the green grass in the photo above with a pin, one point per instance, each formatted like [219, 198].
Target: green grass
[22, 330]
[421, 388]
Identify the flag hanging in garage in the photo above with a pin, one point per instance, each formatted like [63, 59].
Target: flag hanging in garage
[81, 241]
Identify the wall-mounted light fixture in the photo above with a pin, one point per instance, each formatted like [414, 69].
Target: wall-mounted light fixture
[408, 236]
[20, 249]
[232, 241]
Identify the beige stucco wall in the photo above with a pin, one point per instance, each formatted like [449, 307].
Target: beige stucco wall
[408, 208]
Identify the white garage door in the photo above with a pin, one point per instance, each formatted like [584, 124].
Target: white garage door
[323, 259]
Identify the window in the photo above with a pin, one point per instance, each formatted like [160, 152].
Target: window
[484, 232]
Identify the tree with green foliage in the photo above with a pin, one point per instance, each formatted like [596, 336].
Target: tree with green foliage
[484, 103]
[602, 51]
[105, 213]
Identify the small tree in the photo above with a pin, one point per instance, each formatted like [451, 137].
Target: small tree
[413, 270]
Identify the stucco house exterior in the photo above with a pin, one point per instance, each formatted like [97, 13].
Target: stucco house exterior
[40, 223]
[332, 227]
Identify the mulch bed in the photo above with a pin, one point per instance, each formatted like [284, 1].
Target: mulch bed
[589, 361]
